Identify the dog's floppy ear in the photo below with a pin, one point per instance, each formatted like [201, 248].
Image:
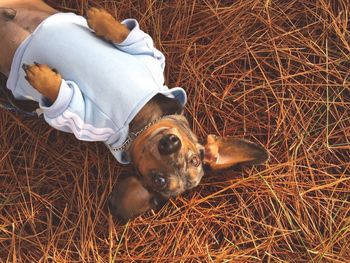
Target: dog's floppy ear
[130, 199]
[225, 152]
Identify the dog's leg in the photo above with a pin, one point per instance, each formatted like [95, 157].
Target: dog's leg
[106, 26]
[45, 80]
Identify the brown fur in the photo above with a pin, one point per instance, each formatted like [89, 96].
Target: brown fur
[130, 199]
[105, 25]
[44, 79]
[222, 153]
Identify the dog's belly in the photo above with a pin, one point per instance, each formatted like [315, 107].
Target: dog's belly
[11, 36]
[18, 18]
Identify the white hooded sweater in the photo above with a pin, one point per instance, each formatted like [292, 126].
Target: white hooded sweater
[104, 85]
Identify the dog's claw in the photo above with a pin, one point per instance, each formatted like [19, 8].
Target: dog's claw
[45, 80]
[25, 67]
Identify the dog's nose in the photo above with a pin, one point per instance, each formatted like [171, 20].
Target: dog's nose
[169, 144]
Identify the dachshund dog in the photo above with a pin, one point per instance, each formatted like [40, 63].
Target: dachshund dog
[103, 81]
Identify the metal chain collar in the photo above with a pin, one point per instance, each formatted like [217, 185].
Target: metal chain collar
[132, 136]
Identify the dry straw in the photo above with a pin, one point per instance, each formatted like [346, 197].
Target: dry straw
[275, 72]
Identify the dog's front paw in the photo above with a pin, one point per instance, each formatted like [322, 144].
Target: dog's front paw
[105, 26]
[44, 79]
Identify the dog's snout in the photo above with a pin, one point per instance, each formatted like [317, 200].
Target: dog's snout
[169, 144]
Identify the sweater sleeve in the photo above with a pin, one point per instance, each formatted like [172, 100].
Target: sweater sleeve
[140, 44]
[72, 112]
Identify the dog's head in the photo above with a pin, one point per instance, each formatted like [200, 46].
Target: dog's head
[168, 157]
[170, 160]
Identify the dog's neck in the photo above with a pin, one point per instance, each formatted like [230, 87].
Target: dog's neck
[158, 107]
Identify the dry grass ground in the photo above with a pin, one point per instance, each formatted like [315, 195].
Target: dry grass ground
[276, 72]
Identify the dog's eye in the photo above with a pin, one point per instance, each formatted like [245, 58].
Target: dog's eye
[195, 161]
[159, 181]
